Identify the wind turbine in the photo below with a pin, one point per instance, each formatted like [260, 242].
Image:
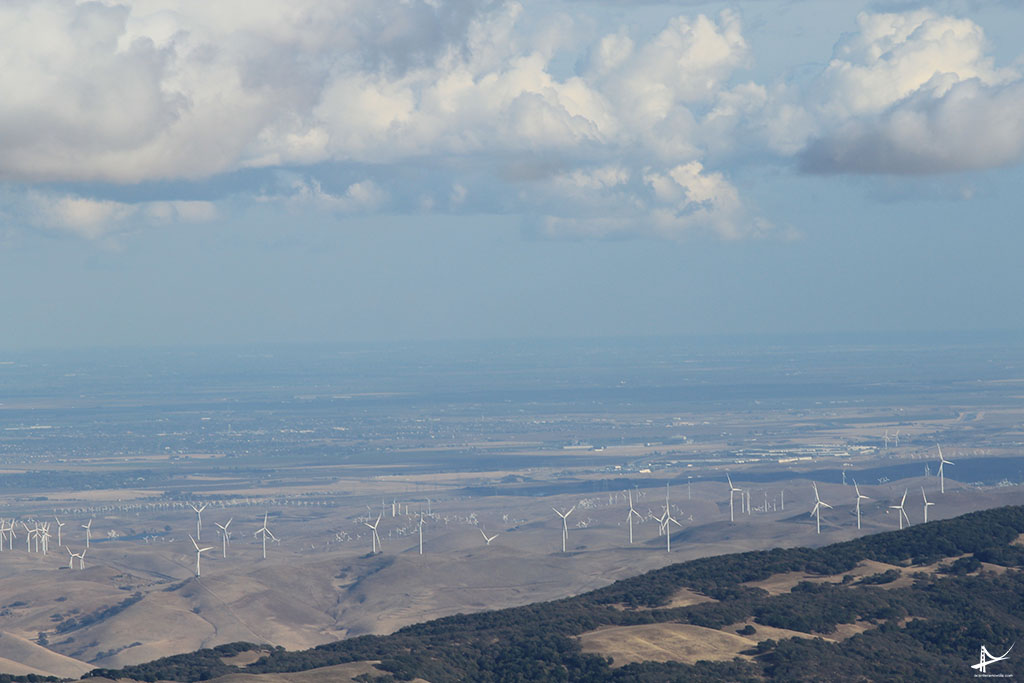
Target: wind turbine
[29, 535]
[80, 556]
[818, 504]
[10, 534]
[902, 513]
[59, 525]
[629, 517]
[199, 518]
[897, 438]
[421, 532]
[942, 461]
[376, 538]
[225, 535]
[565, 525]
[886, 437]
[488, 539]
[666, 519]
[264, 531]
[732, 490]
[860, 497]
[926, 505]
[88, 532]
[199, 552]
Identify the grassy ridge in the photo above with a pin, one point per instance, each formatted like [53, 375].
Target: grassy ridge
[928, 631]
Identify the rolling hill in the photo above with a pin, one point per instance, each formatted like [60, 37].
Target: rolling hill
[911, 605]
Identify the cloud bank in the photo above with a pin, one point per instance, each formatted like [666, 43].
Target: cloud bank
[636, 138]
[915, 93]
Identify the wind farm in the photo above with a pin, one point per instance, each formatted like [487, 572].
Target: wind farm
[309, 554]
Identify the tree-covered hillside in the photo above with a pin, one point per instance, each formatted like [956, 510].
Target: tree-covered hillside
[928, 630]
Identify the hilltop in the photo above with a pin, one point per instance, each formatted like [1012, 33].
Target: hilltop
[915, 604]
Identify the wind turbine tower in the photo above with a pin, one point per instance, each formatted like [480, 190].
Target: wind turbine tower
[565, 525]
[80, 556]
[88, 532]
[666, 521]
[10, 534]
[264, 531]
[818, 504]
[225, 535]
[373, 527]
[926, 505]
[199, 552]
[902, 512]
[942, 461]
[199, 518]
[632, 513]
[732, 490]
[860, 497]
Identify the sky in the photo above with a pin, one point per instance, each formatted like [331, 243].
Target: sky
[178, 172]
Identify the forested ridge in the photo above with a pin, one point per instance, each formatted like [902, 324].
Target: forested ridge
[930, 630]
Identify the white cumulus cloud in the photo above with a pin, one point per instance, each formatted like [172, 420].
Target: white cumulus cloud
[914, 92]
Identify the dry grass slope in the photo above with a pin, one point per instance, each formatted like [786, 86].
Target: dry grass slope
[663, 643]
[21, 656]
